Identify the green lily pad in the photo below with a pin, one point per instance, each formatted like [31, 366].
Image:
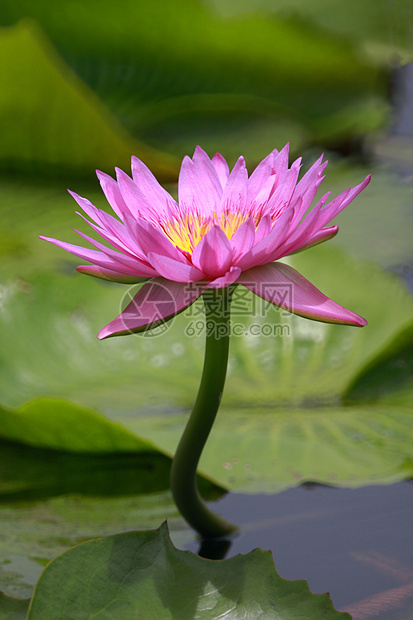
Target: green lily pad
[78, 135]
[58, 425]
[36, 530]
[269, 451]
[13, 609]
[145, 575]
[389, 378]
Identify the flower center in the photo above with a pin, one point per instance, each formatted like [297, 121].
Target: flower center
[186, 231]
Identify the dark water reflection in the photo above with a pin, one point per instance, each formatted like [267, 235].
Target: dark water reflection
[356, 544]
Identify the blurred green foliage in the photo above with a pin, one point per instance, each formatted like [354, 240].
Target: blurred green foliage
[174, 74]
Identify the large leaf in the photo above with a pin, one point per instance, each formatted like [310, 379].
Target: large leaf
[389, 378]
[144, 575]
[50, 501]
[13, 609]
[299, 525]
[59, 425]
[268, 451]
[51, 121]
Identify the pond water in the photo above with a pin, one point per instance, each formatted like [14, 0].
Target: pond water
[356, 544]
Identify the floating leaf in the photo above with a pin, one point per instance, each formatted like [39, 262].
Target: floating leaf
[389, 378]
[58, 425]
[145, 575]
[12, 608]
[268, 451]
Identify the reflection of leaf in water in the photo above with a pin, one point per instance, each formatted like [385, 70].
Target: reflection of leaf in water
[28, 473]
[387, 601]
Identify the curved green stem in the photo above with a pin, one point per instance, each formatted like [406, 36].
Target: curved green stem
[185, 462]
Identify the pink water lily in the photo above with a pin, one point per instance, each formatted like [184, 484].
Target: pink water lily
[226, 228]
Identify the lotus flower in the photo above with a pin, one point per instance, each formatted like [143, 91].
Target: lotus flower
[226, 228]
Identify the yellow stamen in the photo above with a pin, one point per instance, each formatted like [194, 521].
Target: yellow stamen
[186, 232]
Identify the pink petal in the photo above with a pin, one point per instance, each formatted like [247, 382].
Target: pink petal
[300, 236]
[307, 187]
[229, 278]
[259, 177]
[281, 197]
[136, 201]
[151, 239]
[338, 204]
[173, 270]
[260, 252]
[242, 240]
[114, 231]
[221, 168]
[235, 190]
[101, 259]
[213, 253]
[263, 228]
[149, 186]
[115, 242]
[87, 207]
[123, 259]
[284, 287]
[322, 235]
[264, 193]
[108, 274]
[113, 194]
[280, 164]
[156, 302]
[198, 183]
